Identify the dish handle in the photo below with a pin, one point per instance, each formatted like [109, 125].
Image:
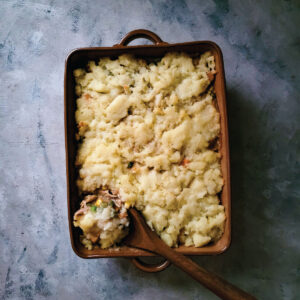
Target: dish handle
[138, 34]
[150, 268]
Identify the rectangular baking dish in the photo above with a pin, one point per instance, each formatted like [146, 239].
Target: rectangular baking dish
[79, 58]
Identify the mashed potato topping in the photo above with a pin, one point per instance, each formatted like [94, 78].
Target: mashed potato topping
[146, 130]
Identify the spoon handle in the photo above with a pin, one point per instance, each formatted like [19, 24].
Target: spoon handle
[216, 284]
[143, 237]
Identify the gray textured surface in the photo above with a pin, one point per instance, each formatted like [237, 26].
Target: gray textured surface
[261, 47]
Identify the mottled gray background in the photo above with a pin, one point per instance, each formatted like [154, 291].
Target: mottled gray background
[261, 46]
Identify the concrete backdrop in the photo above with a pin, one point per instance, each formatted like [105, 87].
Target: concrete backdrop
[261, 45]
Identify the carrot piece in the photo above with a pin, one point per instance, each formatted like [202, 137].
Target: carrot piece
[126, 89]
[211, 75]
[87, 96]
[123, 215]
[184, 162]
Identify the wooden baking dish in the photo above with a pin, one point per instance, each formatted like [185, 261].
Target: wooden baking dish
[79, 58]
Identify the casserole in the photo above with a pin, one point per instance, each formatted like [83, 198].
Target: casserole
[78, 59]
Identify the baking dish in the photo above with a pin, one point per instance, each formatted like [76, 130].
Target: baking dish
[79, 58]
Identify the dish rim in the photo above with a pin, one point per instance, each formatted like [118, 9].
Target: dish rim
[123, 251]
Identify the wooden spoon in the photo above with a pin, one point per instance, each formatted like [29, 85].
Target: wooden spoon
[141, 236]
